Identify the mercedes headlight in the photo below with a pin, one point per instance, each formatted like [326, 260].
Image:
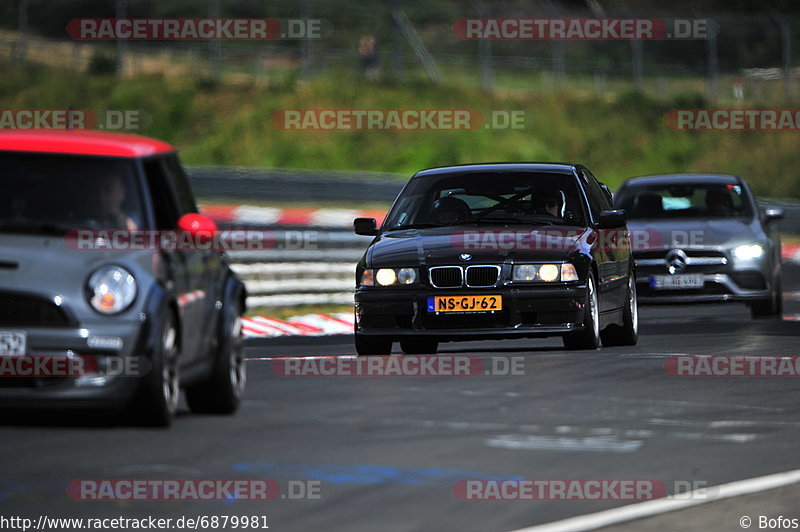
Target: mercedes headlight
[111, 289]
[748, 252]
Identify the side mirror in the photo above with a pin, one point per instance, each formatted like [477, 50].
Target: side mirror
[772, 214]
[612, 219]
[365, 226]
[197, 225]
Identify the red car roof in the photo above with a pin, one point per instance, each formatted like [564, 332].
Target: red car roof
[81, 142]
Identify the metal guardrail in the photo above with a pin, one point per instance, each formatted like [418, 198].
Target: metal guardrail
[320, 273]
[281, 184]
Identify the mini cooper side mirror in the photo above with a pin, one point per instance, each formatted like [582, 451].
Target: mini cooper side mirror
[365, 226]
[611, 219]
[772, 214]
[197, 225]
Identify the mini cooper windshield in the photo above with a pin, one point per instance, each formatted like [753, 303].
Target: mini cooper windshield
[488, 198]
[56, 193]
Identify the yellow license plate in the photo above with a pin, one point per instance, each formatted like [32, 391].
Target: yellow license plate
[488, 303]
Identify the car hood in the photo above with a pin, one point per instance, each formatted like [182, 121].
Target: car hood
[685, 234]
[445, 245]
[46, 266]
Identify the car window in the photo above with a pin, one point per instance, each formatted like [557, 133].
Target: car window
[696, 200]
[182, 186]
[165, 208]
[598, 199]
[521, 197]
[68, 192]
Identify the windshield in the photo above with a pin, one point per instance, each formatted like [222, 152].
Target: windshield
[57, 193]
[488, 198]
[701, 200]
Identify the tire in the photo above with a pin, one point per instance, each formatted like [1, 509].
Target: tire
[222, 392]
[157, 398]
[419, 346]
[589, 337]
[628, 332]
[772, 307]
[373, 345]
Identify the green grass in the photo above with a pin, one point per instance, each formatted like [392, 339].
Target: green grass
[616, 134]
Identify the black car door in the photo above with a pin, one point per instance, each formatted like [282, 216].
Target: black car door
[611, 249]
[186, 266]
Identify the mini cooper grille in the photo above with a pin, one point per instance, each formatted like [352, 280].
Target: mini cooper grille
[478, 276]
[446, 276]
[20, 310]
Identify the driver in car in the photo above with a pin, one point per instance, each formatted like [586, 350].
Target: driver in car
[112, 198]
[450, 211]
[548, 202]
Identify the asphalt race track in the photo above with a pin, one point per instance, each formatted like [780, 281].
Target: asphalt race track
[386, 452]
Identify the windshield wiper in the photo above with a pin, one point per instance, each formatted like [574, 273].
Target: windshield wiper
[413, 226]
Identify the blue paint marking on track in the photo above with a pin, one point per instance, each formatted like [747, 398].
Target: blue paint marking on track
[368, 474]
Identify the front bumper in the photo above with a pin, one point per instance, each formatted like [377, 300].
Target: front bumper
[107, 377]
[530, 311]
[717, 287]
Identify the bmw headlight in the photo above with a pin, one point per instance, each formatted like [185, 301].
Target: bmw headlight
[111, 289]
[389, 276]
[386, 277]
[524, 272]
[547, 273]
[748, 252]
[407, 275]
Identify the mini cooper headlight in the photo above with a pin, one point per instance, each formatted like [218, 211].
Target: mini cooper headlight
[748, 252]
[111, 289]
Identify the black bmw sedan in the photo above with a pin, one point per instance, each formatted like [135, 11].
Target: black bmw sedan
[501, 250]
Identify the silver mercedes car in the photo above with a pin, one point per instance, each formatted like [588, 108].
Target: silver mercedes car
[703, 238]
